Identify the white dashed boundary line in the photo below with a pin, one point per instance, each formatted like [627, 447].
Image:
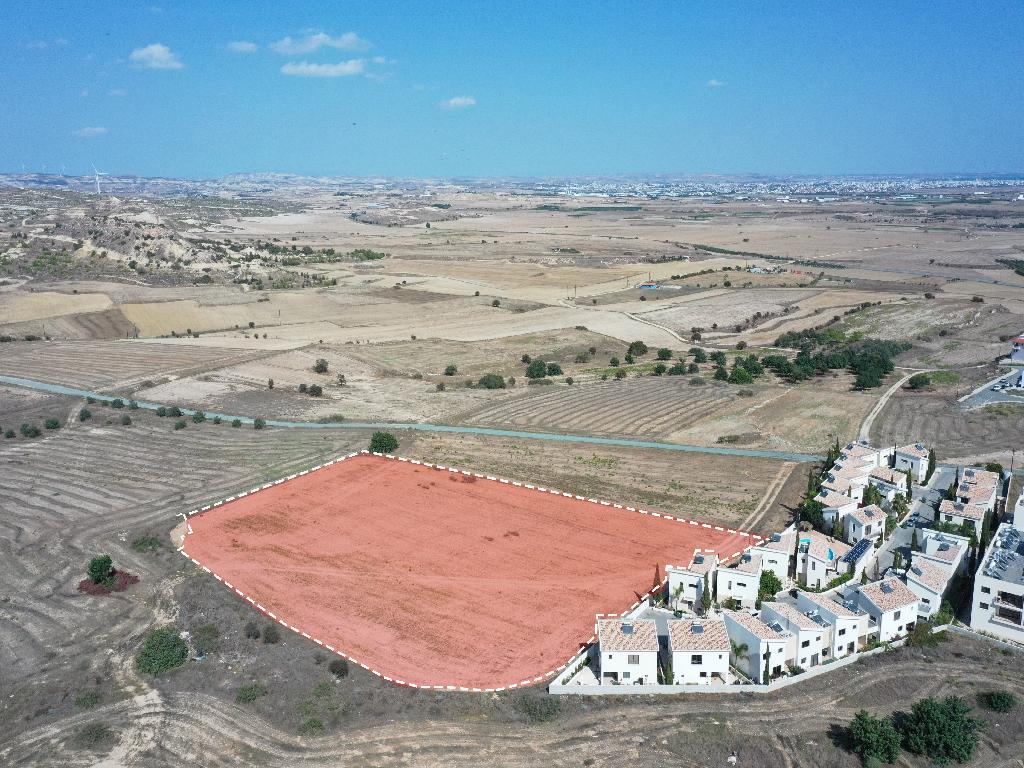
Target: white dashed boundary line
[443, 687]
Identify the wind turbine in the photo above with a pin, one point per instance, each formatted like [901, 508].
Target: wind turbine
[98, 174]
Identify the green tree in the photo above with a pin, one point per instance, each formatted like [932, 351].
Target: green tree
[614, 362]
[451, 369]
[837, 528]
[554, 369]
[315, 390]
[769, 587]
[910, 486]
[740, 375]
[941, 730]
[664, 353]
[494, 381]
[84, 415]
[101, 568]
[919, 381]
[320, 366]
[163, 650]
[721, 374]
[998, 701]
[537, 369]
[659, 369]
[739, 652]
[705, 596]
[259, 423]
[931, 466]
[872, 496]
[638, 349]
[52, 424]
[383, 442]
[914, 544]
[874, 738]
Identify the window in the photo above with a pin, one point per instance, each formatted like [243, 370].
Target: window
[842, 631]
[805, 643]
[896, 615]
[610, 657]
[986, 590]
[703, 674]
[625, 675]
[741, 584]
[926, 601]
[983, 606]
[696, 659]
[633, 658]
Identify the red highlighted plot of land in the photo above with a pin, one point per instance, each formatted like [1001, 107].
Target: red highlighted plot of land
[435, 578]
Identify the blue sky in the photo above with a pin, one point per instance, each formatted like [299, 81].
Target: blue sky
[516, 89]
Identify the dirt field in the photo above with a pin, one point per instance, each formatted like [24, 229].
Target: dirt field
[453, 579]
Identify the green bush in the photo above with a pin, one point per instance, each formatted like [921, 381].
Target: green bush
[100, 569]
[271, 634]
[614, 362]
[315, 390]
[320, 366]
[314, 726]
[998, 701]
[874, 738]
[554, 369]
[538, 709]
[84, 415]
[537, 369]
[338, 668]
[740, 375]
[696, 381]
[198, 417]
[94, 736]
[206, 638]
[451, 369]
[132, 405]
[664, 354]
[659, 369]
[29, 430]
[126, 420]
[163, 650]
[259, 423]
[174, 411]
[161, 411]
[52, 424]
[147, 543]
[383, 442]
[87, 700]
[250, 692]
[236, 423]
[941, 730]
[117, 402]
[180, 424]
[492, 381]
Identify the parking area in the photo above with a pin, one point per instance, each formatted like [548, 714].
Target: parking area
[1004, 389]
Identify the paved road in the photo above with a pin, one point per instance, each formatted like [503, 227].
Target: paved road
[926, 499]
[984, 395]
[623, 442]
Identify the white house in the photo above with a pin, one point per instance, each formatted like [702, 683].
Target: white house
[833, 504]
[741, 581]
[763, 644]
[865, 523]
[686, 584]
[998, 606]
[978, 486]
[929, 581]
[889, 482]
[945, 549]
[1017, 349]
[847, 479]
[819, 559]
[891, 606]
[700, 651]
[958, 513]
[913, 457]
[777, 553]
[628, 651]
[807, 636]
[845, 623]
[864, 452]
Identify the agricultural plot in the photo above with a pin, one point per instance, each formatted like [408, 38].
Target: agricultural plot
[431, 577]
[726, 308]
[105, 364]
[644, 406]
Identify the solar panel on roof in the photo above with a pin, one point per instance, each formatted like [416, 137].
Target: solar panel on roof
[858, 551]
[697, 629]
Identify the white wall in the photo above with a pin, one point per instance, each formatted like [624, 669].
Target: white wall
[686, 672]
[918, 467]
[739, 585]
[644, 671]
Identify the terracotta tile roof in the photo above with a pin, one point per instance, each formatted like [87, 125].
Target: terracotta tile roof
[712, 636]
[702, 563]
[829, 603]
[785, 543]
[950, 553]
[849, 474]
[929, 574]
[801, 620]
[872, 513]
[980, 477]
[749, 563]
[819, 546]
[832, 499]
[969, 511]
[755, 626]
[975, 493]
[644, 636]
[889, 594]
[914, 449]
[889, 476]
[856, 450]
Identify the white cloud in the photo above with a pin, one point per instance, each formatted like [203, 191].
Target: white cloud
[341, 69]
[242, 46]
[713, 83]
[315, 40]
[458, 102]
[117, 92]
[155, 56]
[90, 132]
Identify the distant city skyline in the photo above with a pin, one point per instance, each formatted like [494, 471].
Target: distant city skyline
[206, 89]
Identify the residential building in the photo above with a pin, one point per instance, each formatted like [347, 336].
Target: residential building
[700, 651]
[958, 513]
[628, 651]
[946, 549]
[891, 605]
[913, 457]
[865, 523]
[764, 646]
[847, 479]
[807, 635]
[686, 585]
[1017, 349]
[998, 606]
[845, 623]
[928, 580]
[833, 504]
[889, 482]
[777, 553]
[863, 452]
[978, 486]
[819, 559]
[740, 581]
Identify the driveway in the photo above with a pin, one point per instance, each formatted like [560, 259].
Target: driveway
[926, 499]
